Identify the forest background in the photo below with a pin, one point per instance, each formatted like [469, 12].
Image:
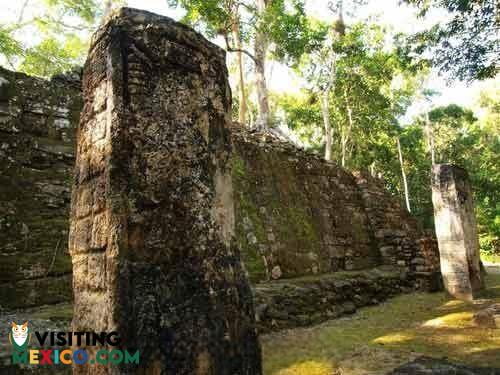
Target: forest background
[390, 87]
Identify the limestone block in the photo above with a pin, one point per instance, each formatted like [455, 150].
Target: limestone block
[456, 231]
[488, 317]
[152, 221]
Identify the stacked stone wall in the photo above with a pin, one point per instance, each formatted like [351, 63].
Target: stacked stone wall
[37, 130]
[295, 214]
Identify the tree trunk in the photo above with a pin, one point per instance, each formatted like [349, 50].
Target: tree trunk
[252, 119]
[344, 152]
[372, 169]
[261, 44]
[347, 133]
[433, 156]
[430, 138]
[405, 183]
[242, 98]
[325, 110]
[21, 12]
[108, 6]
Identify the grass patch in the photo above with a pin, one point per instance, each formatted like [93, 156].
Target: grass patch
[379, 338]
[490, 258]
[309, 367]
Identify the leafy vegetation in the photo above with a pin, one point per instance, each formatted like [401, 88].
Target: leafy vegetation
[358, 80]
[61, 32]
[467, 45]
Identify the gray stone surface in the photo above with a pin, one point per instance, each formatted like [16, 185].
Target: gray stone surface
[456, 231]
[311, 300]
[488, 317]
[297, 214]
[434, 366]
[36, 158]
[152, 222]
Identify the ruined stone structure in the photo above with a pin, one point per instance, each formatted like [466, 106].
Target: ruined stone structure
[37, 131]
[441, 366]
[456, 231]
[297, 214]
[152, 217]
[303, 301]
[316, 241]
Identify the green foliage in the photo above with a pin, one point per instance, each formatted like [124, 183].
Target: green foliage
[417, 166]
[9, 46]
[87, 10]
[284, 23]
[484, 167]
[467, 46]
[378, 84]
[454, 134]
[64, 28]
[290, 30]
[364, 99]
[489, 244]
[303, 115]
[214, 17]
[51, 57]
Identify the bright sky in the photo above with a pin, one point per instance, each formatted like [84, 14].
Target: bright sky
[280, 78]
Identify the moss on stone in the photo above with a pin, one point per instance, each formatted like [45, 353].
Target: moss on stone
[247, 211]
[253, 260]
[301, 224]
[238, 166]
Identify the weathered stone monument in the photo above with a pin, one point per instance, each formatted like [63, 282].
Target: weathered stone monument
[456, 231]
[151, 233]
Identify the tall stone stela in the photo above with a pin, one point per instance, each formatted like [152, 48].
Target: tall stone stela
[151, 233]
[456, 231]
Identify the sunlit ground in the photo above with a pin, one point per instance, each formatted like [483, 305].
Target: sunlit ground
[380, 338]
[490, 258]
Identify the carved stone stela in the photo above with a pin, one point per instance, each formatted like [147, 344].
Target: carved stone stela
[456, 231]
[152, 222]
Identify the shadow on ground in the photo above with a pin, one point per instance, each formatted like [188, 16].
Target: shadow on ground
[373, 341]
[378, 339]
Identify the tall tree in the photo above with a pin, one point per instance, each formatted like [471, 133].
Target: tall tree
[323, 61]
[363, 103]
[366, 106]
[261, 44]
[403, 174]
[277, 27]
[242, 96]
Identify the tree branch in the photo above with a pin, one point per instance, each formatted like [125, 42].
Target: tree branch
[21, 13]
[247, 7]
[231, 49]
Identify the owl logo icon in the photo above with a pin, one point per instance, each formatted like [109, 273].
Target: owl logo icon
[19, 336]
